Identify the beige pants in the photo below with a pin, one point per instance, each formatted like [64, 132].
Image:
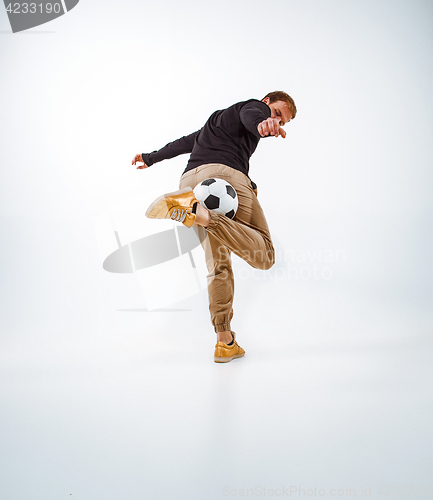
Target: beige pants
[247, 236]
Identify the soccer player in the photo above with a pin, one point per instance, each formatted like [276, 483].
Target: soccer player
[222, 149]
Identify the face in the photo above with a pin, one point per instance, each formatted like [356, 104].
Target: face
[279, 109]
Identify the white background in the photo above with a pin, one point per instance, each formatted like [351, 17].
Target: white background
[102, 399]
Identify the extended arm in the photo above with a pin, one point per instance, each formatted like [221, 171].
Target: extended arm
[170, 150]
[252, 114]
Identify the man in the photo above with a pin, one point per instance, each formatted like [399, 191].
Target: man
[222, 149]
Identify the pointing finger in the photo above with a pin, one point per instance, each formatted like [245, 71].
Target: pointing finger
[271, 126]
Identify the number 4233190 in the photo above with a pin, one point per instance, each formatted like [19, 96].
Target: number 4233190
[33, 8]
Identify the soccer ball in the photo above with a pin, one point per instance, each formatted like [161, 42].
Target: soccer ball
[217, 195]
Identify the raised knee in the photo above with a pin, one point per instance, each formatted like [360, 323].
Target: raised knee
[264, 260]
[270, 259]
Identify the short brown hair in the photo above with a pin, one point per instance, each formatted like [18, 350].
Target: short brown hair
[279, 95]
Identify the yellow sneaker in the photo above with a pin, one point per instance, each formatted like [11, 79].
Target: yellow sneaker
[225, 353]
[177, 206]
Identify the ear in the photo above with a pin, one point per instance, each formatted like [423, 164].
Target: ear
[266, 100]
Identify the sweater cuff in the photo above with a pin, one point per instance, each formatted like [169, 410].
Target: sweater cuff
[146, 159]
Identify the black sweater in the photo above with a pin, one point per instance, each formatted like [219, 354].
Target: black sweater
[230, 137]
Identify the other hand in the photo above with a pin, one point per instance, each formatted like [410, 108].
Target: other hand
[139, 158]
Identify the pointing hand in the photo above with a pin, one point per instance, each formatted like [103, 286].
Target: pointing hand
[271, 126]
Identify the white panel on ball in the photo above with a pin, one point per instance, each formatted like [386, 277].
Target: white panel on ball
[218, 188]
[200, 192]
[226, 203]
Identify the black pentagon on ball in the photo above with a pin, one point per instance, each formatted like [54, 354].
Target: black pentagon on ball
[208, 182]
[212, 202]
[230, 214]
[231, 191]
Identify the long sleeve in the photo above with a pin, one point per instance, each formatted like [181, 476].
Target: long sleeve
[172, 149]
[254, 113]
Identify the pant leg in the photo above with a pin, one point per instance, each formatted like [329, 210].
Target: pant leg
[220, 280]
[247, 235]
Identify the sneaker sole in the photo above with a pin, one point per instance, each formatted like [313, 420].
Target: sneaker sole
[161, 198]
[218, 359]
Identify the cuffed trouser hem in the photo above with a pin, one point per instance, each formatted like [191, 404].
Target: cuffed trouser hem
[224, 327]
